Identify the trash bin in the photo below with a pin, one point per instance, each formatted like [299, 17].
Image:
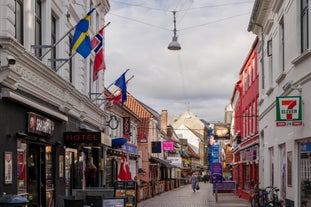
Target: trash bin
[13, 201]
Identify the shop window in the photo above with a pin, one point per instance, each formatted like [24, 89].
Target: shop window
[247, 175]
[21, 167]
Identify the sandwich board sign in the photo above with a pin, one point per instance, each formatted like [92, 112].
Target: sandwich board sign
[288, 111]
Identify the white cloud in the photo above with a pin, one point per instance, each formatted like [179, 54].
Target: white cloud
[202, 73]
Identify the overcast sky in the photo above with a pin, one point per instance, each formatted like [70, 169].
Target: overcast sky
[199, 77]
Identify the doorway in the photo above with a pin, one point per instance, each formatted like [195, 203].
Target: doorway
[36, 174]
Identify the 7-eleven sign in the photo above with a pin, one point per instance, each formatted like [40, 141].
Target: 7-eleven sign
[288, 111]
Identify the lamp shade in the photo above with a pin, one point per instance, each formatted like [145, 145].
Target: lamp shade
[174, 45]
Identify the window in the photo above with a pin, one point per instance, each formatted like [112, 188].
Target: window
[281, 39]
[250, 78]
[254, 117]
[304, 21]
[271, 155]
[70, 60]
[19, 21]
[262, 74]
[53, 41]
[38, 29]
[245, 81]
[270, 63]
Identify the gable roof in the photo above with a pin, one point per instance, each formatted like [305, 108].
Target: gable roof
[142, 111]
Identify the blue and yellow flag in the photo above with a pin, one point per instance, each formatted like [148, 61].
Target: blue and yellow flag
[81, 42]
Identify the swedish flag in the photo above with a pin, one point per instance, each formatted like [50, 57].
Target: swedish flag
[81, 42]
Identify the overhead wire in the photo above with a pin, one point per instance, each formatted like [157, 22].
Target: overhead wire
[181, 10]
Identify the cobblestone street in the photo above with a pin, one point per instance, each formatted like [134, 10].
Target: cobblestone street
[185, 197]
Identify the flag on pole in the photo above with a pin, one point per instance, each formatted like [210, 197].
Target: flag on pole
[121, 83]
[122, 173]
[98, 47]
[127, 168]
[115, 99]
[81, 42]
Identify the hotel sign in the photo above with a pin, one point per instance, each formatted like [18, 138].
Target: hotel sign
[288, 111]
[86, 138]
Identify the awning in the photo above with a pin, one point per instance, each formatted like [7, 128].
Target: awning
[162, 162]
[117, 142]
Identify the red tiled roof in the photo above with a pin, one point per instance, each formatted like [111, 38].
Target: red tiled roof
[135, 106]
[192, 153]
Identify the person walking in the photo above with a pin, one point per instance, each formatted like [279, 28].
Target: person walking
[194, 181]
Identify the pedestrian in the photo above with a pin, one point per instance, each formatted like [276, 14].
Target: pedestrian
[194, 181]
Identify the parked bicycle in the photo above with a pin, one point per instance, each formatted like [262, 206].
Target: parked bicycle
[274, 198]
[259, 197]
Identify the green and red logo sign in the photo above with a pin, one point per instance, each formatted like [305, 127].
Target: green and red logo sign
[288, 111]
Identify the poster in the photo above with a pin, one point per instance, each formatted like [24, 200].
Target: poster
[7, 167]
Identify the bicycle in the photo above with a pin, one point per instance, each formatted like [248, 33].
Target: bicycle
[274, 198]
[259, 197]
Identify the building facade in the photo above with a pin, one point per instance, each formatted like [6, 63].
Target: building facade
[244, 102]
[44, 105]
[283, 29]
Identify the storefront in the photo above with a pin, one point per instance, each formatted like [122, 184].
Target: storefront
[84, 155]
[30, 142]
[246, 170]
[304, 168]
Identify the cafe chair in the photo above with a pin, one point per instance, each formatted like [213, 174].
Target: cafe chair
[94, 201]
[73, 203]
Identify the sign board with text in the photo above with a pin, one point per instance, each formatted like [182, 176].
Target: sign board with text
[288, 111]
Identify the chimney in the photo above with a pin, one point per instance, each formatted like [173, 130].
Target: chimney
[164, 120]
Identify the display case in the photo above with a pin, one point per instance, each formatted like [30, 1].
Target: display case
[126, 190]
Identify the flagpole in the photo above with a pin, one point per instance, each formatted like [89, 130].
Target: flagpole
[56, 43]
[75, 53]
[65, 61]
[117, 79]
[110, 96]
[111, 85]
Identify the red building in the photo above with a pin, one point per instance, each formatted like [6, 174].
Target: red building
[244, 102]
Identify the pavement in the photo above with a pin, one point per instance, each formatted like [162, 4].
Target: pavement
[185, 197]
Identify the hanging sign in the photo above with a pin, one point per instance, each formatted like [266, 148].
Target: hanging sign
[288, 111]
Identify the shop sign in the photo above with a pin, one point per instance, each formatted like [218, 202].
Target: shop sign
[126, 127]
[174, 161]
[156, 147]
[168, 146]
[216, 172]
[88, 138]
[130, 148]
[143, 138]
[288, 111]
[40, 125]
[222, 131]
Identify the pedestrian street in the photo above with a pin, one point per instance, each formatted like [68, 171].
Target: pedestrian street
[185, 197]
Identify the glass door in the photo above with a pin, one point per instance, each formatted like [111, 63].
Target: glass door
[71, 169]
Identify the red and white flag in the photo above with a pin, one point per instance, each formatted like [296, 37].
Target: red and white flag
[122, 172]
[127, 168]
[98, 47]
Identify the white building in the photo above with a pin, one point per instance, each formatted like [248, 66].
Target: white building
[33, 86]
[283, 27]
